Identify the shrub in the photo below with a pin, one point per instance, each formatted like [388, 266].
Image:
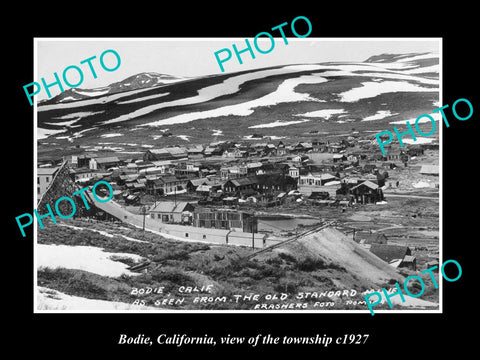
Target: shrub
[287, 257]
[172, 275]
[274, 261]
[310, 264]
[217, 257]
[81, 285]
[415, 286]
[288, 287]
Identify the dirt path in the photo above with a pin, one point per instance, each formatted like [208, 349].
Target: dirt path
[410, 196]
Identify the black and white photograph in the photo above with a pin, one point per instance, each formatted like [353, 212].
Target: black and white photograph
[202, 180]
[263, 188]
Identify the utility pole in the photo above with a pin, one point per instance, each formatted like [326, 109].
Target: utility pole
[253, 234]
[144, 211]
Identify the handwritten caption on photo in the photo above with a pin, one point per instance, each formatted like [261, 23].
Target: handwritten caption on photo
[202, 296]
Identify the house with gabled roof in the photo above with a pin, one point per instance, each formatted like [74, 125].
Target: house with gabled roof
[104, 162]
[240, 184]
[45, 177]
[430, 170]
[171, 211]
[367, 192]
[396, 255]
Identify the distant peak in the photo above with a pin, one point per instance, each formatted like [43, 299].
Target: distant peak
[394, 57]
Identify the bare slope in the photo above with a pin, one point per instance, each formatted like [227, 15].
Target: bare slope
[332, 246]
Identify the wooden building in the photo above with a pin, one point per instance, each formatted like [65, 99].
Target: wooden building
[224, 219]
[367, 193]
[171, 212]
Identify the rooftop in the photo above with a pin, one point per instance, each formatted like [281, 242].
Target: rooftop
[47, 171]
[170, 206]
[430, 169]
[108, 159]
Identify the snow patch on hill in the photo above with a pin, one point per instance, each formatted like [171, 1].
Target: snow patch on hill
[373, 89]
[53, 300]
[88, 258]
[92, 93]
[284, 93]
[229, 86]
[277, 124]
[111, 135]
[324, 113]
[380, 115]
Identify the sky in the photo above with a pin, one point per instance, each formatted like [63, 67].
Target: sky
[188, 57]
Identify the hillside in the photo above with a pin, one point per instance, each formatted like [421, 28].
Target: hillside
[138, 81]
[80, 260]
[281, 102]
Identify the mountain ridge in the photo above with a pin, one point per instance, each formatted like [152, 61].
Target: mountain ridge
[138, 81]
[282, 100]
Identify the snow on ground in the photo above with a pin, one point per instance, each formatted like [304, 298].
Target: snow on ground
[63, 123]
[104, 233]
[44, 133]
[217, 132]
[277, 124]
[229, 86]
[272, 137]
[324, 113]
[94, 92]
[378, 75]
[111, 135]
[111, 148]
[176, 192]
[424, 70]
[80, 133]
[78, 115]
[373, 89]
[397, 76]
[81, 103]
[418, 57]
[149, 97]
[436, 116]
[184, 137]
[64, 138]
[48, 299]
[285, 93]
[421, 184]
[420, 140]
[88, 258]
[68, 98]
[379, 115]
[392, 66]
